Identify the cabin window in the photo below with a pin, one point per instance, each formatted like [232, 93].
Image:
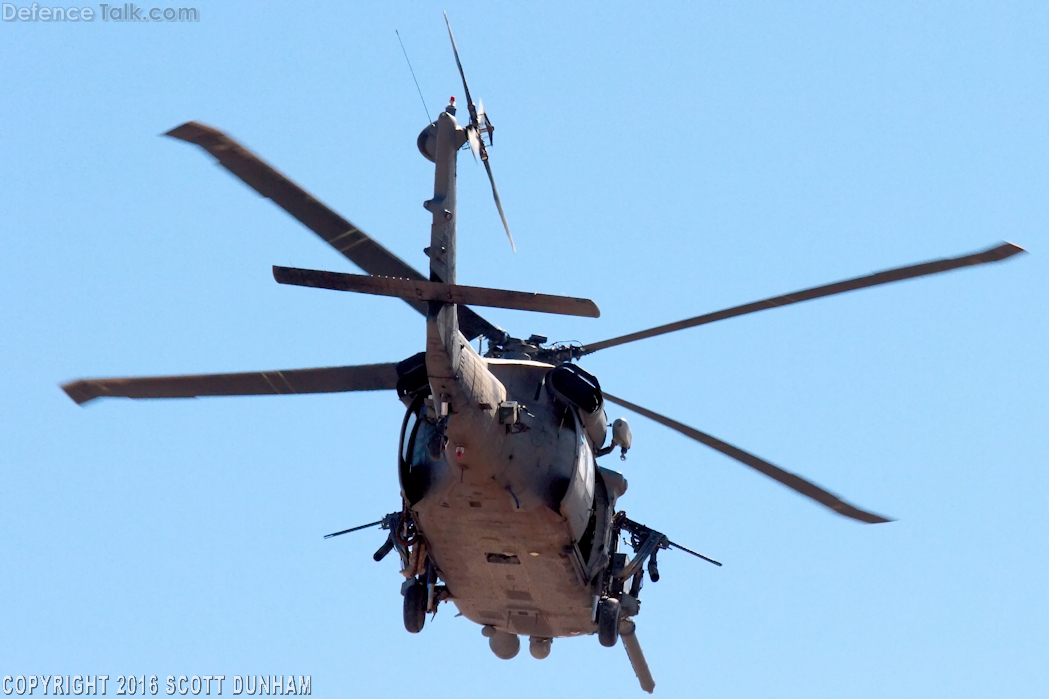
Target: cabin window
[415, 464]
[408, 432]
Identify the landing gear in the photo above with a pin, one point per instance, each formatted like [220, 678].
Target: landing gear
[415, 602]
[608, 621]
[421, 592]
[621, 584]
[623, 579]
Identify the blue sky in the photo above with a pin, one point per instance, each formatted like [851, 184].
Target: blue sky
[664, 160]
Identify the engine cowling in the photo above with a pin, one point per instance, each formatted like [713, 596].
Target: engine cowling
[579, 389]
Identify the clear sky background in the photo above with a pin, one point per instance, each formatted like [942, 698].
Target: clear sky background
[664, 159]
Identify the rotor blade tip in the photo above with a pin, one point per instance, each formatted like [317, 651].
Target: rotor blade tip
[864, 517]
[287, 275]
[181, 131]
[1002, 251]
[78, 392]
[196, 133]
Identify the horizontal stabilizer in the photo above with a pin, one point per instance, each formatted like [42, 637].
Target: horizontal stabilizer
[419, 290]
[337, 379]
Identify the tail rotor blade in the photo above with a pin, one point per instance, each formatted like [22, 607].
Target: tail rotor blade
[479, 122]
[475, 141]
[482, 120]
[498, 202]
[466, 88]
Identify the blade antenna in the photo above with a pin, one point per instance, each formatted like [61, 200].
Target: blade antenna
[421, 98]
[499, 203]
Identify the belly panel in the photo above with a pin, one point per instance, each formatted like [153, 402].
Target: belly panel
[513, 569]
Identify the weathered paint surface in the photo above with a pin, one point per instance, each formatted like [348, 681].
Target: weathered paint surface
[492, 518]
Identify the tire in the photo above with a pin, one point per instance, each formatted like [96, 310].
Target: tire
[608, 622]
[415, 608]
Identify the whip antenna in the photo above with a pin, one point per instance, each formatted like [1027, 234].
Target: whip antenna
[421, 98]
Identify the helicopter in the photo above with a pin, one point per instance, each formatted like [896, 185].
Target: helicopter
[505, 511]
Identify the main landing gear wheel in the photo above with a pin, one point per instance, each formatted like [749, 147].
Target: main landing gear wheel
[608, 621]
[415, 598]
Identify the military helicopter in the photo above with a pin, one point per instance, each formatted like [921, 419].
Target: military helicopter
[504, 509]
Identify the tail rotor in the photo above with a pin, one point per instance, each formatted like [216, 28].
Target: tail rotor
[479, 127]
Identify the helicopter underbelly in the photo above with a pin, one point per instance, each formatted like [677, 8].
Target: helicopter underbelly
[502, 514]
[506, 567]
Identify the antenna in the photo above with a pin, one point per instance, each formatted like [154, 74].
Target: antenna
[428, 119]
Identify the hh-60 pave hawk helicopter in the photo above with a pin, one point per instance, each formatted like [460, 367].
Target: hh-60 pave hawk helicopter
[505, 511]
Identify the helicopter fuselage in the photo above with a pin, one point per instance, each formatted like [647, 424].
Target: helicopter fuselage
[509, 510]
[514, 510]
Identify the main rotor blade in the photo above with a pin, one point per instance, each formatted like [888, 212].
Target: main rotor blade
[995, 254]
[498, 202]
[342, 235]
[437, 291]
[791, 480]
[338, 379]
